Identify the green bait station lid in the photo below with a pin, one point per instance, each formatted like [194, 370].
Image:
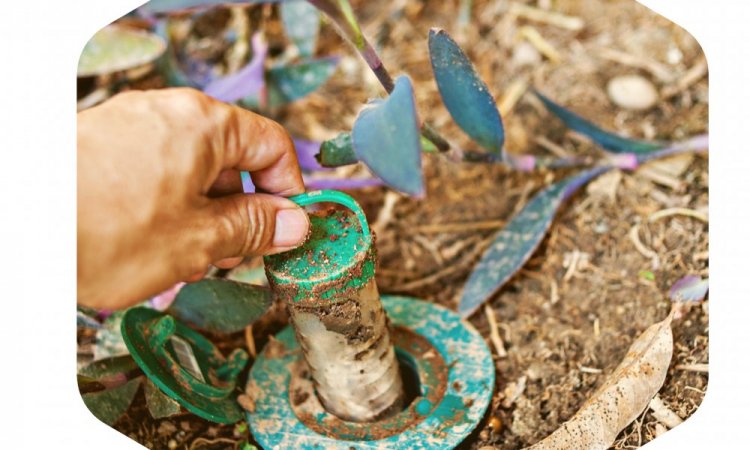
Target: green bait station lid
[184, 364]
[337, 257]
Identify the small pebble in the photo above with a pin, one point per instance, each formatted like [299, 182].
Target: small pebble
[172, 444]
[525, 54]
[495, 424]
[601, 227]
[632, 92]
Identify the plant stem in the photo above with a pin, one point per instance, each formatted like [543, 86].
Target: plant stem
[693, 144]
[372, 59]
[340, 12]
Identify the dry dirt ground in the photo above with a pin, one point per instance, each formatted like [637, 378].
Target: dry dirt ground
[568, 318]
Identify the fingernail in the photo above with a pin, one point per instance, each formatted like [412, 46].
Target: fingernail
[291, 227]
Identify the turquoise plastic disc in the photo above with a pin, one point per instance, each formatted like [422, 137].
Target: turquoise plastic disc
[466, 388]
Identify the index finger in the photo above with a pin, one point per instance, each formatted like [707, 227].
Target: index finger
[262, 147]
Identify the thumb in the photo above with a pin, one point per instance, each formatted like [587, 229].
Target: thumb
[255, 224]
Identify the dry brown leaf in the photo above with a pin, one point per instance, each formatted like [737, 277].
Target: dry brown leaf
[622, 398]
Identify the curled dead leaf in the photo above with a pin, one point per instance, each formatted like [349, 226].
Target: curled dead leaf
[624, 395]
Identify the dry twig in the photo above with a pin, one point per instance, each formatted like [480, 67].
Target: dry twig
[642, 249]
[545, 48]
[678, 211]
[497, 341]
[546, 17]
[663, 414]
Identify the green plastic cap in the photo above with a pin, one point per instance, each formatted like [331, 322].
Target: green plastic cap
[185, 365]
[337, 259]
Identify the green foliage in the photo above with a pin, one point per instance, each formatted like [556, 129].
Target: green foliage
[517, 241]
[115, 48]
[219, 305]
[608, 141]
[159, 404]
[302, 25]
[110, 404]
[466, 96]
[386, 139]
[293, 82]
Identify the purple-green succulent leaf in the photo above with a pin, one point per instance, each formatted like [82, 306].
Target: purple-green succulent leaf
[293, 82]
[109, 405]
[607, 140]
[518, 240]
[248, 81]
[302, 24]
[689, 289]
[116, 48]
[465, 95]
[386, 138]
[111, 372]
[159, 404]
[697, 143]
[219, 305]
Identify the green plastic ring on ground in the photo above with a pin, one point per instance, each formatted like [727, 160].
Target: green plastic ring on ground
[468, 386]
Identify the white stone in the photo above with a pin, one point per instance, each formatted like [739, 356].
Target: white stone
[632, 92]
[525, 54]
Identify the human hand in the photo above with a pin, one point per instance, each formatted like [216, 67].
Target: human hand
[159, 192]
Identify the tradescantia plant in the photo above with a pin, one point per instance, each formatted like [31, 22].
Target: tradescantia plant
[389, 136]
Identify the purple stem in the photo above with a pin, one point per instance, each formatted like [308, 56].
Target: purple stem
[694, 144]
[376, 65]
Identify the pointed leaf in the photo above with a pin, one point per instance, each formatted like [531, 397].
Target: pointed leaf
[607, 140]
[220, 305]
[302, 24]
[694, 144]
[293, 82]
[109, 405]
[115, 48]
[111, 371]
[159, 404]
[465, 94]
[515, 243]
[689, 289]
[386, 139]
[87, 319]
[623, 396]
[248, 81]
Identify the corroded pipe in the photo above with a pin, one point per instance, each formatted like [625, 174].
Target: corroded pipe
[328, 285]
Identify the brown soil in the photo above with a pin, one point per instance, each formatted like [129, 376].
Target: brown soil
[568, 318]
